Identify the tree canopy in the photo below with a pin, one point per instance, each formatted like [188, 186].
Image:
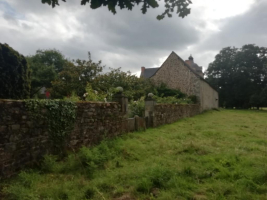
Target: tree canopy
[239, 75]
[133, 87]
[15, 74]
[45, 65]
[181, 7]
[75, 76]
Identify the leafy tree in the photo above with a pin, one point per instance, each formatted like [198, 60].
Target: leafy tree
[14, 74]
[263, 97]
[49, 57]
[238, 74]
[45, 65]
[255, 101]
[181, 7]
[75, 76]
[133, 87]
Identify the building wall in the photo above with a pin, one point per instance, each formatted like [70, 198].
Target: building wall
[209, 97]
[176, 75]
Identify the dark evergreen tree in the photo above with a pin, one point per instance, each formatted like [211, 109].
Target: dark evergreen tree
[14, 74]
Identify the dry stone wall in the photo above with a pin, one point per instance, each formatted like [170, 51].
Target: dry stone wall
[169, 113]
[23, 141]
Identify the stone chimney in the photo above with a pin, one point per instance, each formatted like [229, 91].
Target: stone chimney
[143, 69]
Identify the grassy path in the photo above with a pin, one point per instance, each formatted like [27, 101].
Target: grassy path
[215, 155]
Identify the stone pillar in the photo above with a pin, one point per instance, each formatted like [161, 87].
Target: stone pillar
[149, 111]
[122, 100]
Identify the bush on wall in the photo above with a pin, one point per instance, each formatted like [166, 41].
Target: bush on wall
[15, 74]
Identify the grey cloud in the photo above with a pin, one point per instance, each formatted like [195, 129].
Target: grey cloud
[248, 28]
[128, 39]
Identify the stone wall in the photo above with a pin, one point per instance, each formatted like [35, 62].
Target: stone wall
[167, 114]
[160, 114]
[24, 141]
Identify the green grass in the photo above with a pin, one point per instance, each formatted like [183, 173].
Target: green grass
[215, 155]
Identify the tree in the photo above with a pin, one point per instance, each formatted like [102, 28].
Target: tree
[133, 87]
[75, 76]
[263, 97]
[14, 74]
[181, 7]
[255, 101]
[238, 74]
[45, 65]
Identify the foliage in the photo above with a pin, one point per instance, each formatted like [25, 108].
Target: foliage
[93, 95]
[263, 97]
[75, 76]
[133, 87]
[45, 65]
[194, 158]
[73, 97]
[59, 116]
[179, 6]
[238, 74]
[137, 108]
[163, 91]
[255, 100]
[172, 100]
[14, 74]
[194, 99]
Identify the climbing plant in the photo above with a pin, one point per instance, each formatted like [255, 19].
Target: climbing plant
[58, 114]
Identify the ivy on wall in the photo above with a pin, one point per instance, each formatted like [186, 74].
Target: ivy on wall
[59, 116]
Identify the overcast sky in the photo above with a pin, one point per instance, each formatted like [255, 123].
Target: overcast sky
[130, 39]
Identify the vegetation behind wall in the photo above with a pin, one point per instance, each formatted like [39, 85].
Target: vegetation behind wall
[15, 74]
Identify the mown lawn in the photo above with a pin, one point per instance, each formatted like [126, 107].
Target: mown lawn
[215, 155]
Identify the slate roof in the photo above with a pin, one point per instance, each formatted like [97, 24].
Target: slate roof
[149, 72]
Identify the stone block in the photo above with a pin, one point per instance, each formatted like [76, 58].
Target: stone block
[10, 147]
[15, 127]
[3, 128]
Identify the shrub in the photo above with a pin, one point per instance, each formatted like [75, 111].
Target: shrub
[93, 95]
[49, 163]
[137, 108]
[193, 99]
[15, 74]
[172, 100]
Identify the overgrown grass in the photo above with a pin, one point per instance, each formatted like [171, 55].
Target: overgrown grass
[215, 155]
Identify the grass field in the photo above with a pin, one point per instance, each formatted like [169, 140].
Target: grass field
[215, 155]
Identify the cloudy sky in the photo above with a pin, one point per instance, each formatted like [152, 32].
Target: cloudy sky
[130, 39]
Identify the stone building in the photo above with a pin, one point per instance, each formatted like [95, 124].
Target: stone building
[186, 76]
